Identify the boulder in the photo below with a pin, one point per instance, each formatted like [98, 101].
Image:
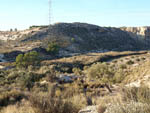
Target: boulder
[66, 78]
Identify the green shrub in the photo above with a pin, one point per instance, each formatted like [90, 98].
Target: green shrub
[28, 79]
[137, 59]
[130, 62]
[52, 48]
[123, 66]
[73, 40]
[77, 71]
[143, 58]
[30, 58]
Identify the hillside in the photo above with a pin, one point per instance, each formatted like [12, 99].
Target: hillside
[73, 38]
[70, 83]
[105, 67]
[79, 37]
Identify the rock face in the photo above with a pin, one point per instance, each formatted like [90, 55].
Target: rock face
[138, 32]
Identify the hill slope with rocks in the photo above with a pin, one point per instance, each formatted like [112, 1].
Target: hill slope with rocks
[86, 37]
[78, 37]
[72, 38]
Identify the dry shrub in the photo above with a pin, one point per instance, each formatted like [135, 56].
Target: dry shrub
[141, 94]
[77, 71]
[101, 109]
[130, 62]
[23, 107]
[100, 71]
[50, 104]
[131, 107]
[79, 101]
[10, 97]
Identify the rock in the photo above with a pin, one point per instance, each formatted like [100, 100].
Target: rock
[134, 65]
[66, 78]
[2, 58]
[89, 109]
[144, 81]
[2, 67]
[134, 84]
[43, 82]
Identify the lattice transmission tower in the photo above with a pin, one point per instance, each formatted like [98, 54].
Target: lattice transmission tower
[50, 12]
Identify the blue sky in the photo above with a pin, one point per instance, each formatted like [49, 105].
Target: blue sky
[23, 13]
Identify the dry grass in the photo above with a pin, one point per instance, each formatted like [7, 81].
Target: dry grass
[51, 104]
[141, 94]
[132, 107]
[72, 95]
[138, 72]
[23, 107]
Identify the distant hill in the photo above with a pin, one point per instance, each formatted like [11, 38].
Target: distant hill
[79, 37]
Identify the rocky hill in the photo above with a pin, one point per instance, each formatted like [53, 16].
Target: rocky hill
[78, 37]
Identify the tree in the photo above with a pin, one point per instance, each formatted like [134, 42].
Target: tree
[19, 60]
[30, 58]
[11, 30]
[52, 48]
[16, 29]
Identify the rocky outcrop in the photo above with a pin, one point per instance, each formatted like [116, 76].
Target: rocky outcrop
[138, 32]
